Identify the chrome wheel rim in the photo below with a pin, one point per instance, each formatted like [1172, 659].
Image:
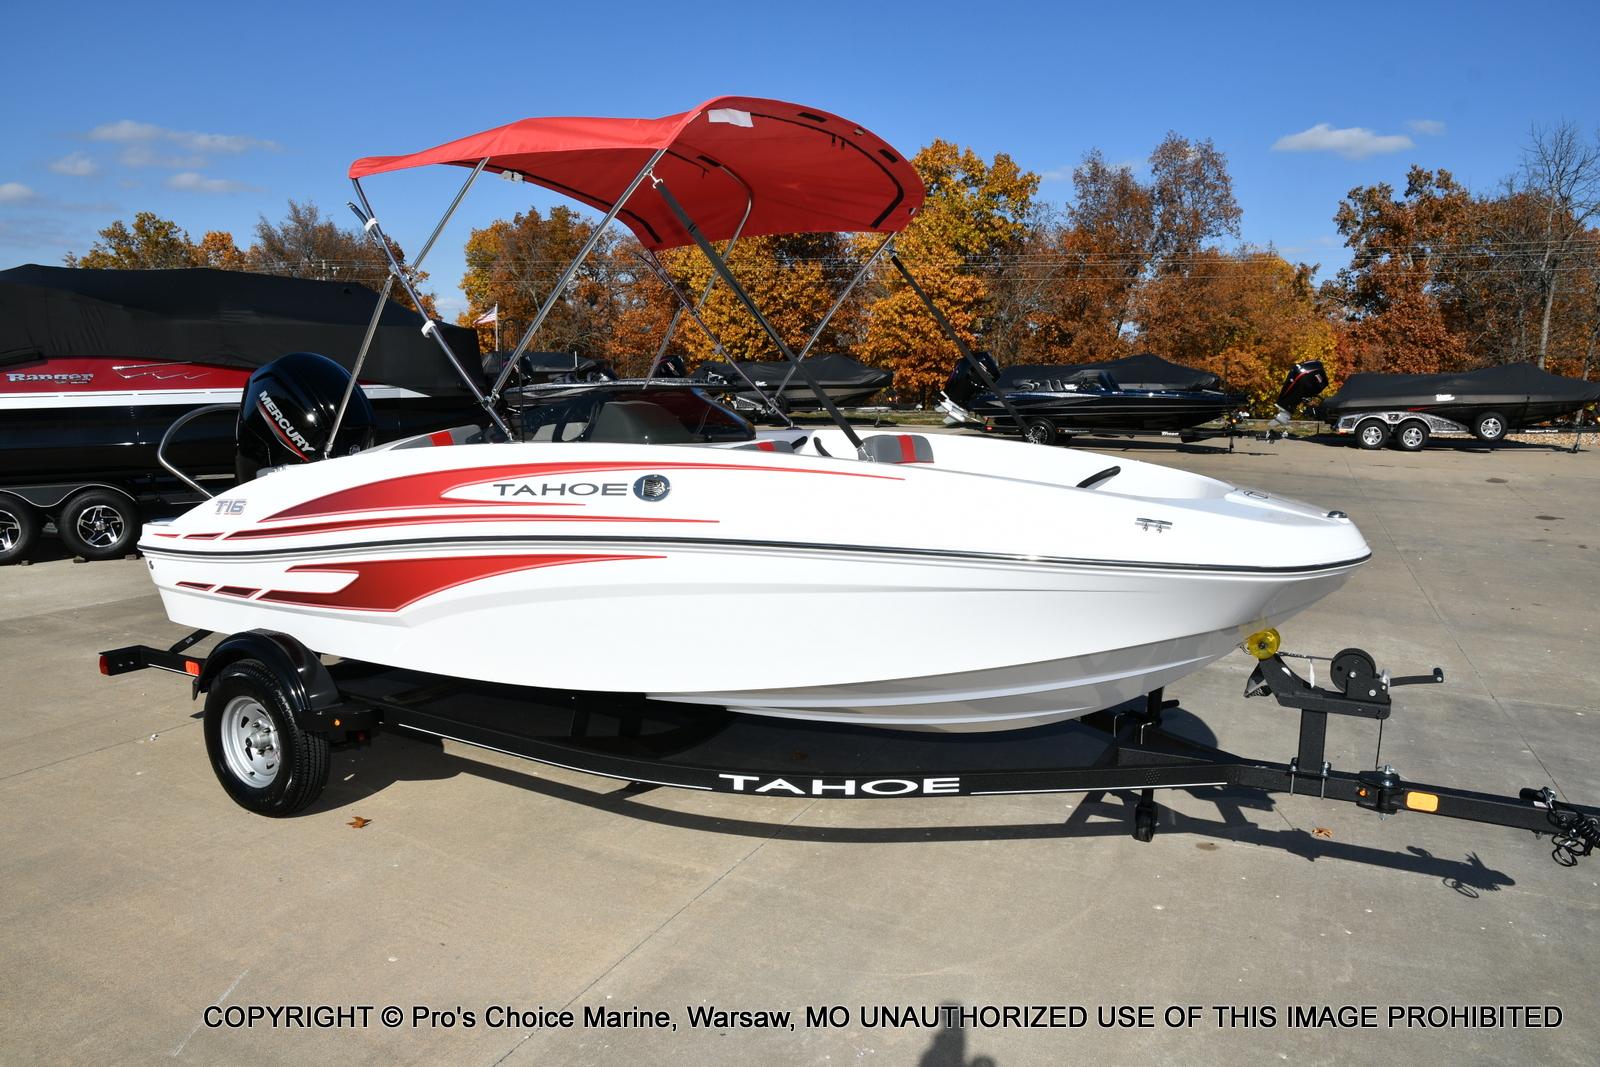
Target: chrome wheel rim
[1371, 435]
[1492, 428]
[1038, 435]
[100, 526]
[1411, 437]
[250, 742]
[10, 531]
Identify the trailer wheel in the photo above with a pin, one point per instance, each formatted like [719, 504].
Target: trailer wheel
[1411, 436]
[262, 757]
[19, 528]
[1489, 427]
[99, 524]
[1372, 434]
[1040, 431]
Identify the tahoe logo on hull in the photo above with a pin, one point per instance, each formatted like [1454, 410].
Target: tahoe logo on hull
[512, 490]
[840, 787]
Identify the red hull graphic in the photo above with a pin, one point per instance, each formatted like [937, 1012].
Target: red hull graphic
[428, 490]
[394, 584]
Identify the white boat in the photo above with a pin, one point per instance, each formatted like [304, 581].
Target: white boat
[638, 538]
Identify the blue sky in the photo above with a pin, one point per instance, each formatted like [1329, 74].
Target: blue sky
[215, 114]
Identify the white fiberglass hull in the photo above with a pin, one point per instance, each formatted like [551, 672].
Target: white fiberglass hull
[918, 596]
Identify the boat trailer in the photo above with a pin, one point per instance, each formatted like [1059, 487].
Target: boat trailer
[652, 743]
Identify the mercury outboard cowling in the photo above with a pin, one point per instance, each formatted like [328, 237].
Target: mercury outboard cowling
[288, 409]
[1304, 381]
[670, 366]
[964, 383]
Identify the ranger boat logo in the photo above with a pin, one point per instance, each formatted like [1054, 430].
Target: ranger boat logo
[652, 487]
[291, 436]
[64, 378]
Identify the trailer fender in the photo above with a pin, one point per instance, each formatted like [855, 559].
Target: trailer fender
[304, 679]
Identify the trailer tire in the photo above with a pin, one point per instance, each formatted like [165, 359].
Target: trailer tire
[1039, 431]
[1411, 435]
[1372, 434]
[260, 755]
[19, 528]
[1490, 427]
[99, 524]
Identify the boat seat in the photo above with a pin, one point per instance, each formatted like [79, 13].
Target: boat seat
[897, 448]
[767, 446]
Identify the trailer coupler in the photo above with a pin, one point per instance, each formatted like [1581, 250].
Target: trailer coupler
[1573, 833]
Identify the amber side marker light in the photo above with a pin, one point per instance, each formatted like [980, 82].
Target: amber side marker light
[1422, 801]
[191, 667]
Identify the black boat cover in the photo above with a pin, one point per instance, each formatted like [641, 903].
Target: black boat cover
[223, 317]
[1510, 383]
[1142, 371]
[832, 370]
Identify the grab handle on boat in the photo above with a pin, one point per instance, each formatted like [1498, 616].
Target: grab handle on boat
[180, 421]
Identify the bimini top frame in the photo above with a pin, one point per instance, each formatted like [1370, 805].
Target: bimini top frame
[732, 166]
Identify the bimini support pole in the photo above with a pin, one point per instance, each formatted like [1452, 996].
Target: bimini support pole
[966, 350]
[566, 275]
[677, 313]
[710, 252]
[866, 268]
[383, 300]
[369, 223]
[659, 269]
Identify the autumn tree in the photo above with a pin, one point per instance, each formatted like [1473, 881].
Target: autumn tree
[1120, 234]
[1559, 182]
[976, 214]
[1387, 295]
[1246, 316]
[151, 243]
[307, 244]
[514, 264]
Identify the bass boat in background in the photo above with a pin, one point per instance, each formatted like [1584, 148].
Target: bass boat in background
[1140, 394]
[898, 581]
[847, 382]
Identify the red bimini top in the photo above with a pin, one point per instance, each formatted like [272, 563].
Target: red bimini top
[800, 170]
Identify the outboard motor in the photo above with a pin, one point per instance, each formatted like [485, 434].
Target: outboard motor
[288, 409]
[671, 366]
[1304, 381]
[964, 383]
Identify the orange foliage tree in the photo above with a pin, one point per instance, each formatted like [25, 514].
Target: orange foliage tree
[1246, 316]
[976, 213]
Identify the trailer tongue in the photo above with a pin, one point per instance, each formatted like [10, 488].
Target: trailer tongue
[651, 743]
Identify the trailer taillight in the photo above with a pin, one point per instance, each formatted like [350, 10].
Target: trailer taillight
[191, 667]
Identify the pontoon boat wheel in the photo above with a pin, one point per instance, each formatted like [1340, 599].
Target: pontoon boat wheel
[1372, 434]
[262, 757]
[1411, 436]
[1041, 432]
[99, 524]
[19, 529]
[1490, 426]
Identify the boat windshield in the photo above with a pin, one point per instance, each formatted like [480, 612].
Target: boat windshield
[633, 416]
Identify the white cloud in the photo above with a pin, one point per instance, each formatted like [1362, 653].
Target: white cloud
[1430, 127]
[1352, 142]
[14, 193]
[76, 164]
[1056, 174]
[142, 137]
[191, 182]
[144, 155]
